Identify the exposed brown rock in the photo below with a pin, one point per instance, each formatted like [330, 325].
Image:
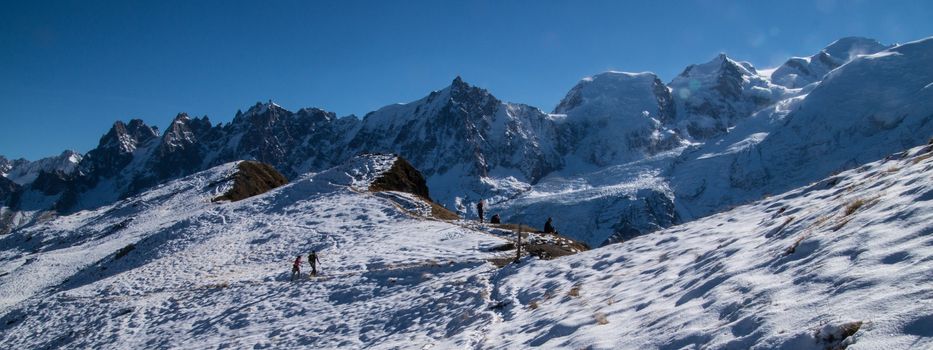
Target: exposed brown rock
[403, 177]
[253, 178]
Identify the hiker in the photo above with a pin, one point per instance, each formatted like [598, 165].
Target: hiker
[548, 226]
[296, 268]
[479, 210]
[313, 260]
[495, 219]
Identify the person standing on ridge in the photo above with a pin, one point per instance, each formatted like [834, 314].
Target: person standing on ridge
[548, 226]
[479, 210]
[313, 260]
[296, 268]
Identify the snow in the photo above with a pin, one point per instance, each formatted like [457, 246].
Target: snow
[376, 258]
[615, 117]
[730, 280]
[799, 72]
[754, 266]
[26, 172]
[793, 271]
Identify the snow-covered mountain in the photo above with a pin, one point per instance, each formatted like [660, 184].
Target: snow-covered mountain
[842, 123]
[869, 107]
[798, 72]
[617, 117]
[468, 143]
[22, 171]
[622, 155]
[841, 262]
[714, 96]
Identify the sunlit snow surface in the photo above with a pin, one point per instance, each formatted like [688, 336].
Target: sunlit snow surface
[386, 276]
[209, 275]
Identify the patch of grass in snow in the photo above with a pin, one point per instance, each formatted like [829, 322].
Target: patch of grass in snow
[601, 318]
[439, 212]
[837, 337]
[822, 220]
[501, 261]
[842, 223]
[793, 247]
[124, 251]
[219, 285]
[853, 206]
[923, 157]
[574, 291]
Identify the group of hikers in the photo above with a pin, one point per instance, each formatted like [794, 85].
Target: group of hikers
[312, 259]
[480, 210]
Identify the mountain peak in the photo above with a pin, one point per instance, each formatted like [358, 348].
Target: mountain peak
[263, 107]
[458, 85]
[718, 66]
[126, 136]
[181, 117]
[461, 91]
[801, 71]
[847, 48]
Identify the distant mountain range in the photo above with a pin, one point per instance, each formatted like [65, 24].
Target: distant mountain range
[623, 154]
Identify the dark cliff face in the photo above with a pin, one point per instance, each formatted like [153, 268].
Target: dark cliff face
[461, 125]
[51, 183]
[115, 149]
[283, 139]
[181, 151]
[7, 188]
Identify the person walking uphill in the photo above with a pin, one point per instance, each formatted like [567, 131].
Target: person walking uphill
[479, 210]
[313, 260]
[296, 268]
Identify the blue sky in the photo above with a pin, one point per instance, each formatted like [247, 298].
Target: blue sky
[69, 69]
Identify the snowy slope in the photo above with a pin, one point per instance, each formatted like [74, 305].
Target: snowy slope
[787, 272]
[794, 271]
[203, 274]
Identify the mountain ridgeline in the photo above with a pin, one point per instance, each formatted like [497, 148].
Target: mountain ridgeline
[621, 155]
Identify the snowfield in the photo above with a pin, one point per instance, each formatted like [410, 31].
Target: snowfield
[785, 272]
[842, 261]
[206, 275]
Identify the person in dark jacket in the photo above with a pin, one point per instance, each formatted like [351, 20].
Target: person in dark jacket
[296, 268]
[548, 226]
[479, 210]
[495, 219]
[313, 260]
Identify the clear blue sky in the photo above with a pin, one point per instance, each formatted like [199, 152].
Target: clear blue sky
[68, 69]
